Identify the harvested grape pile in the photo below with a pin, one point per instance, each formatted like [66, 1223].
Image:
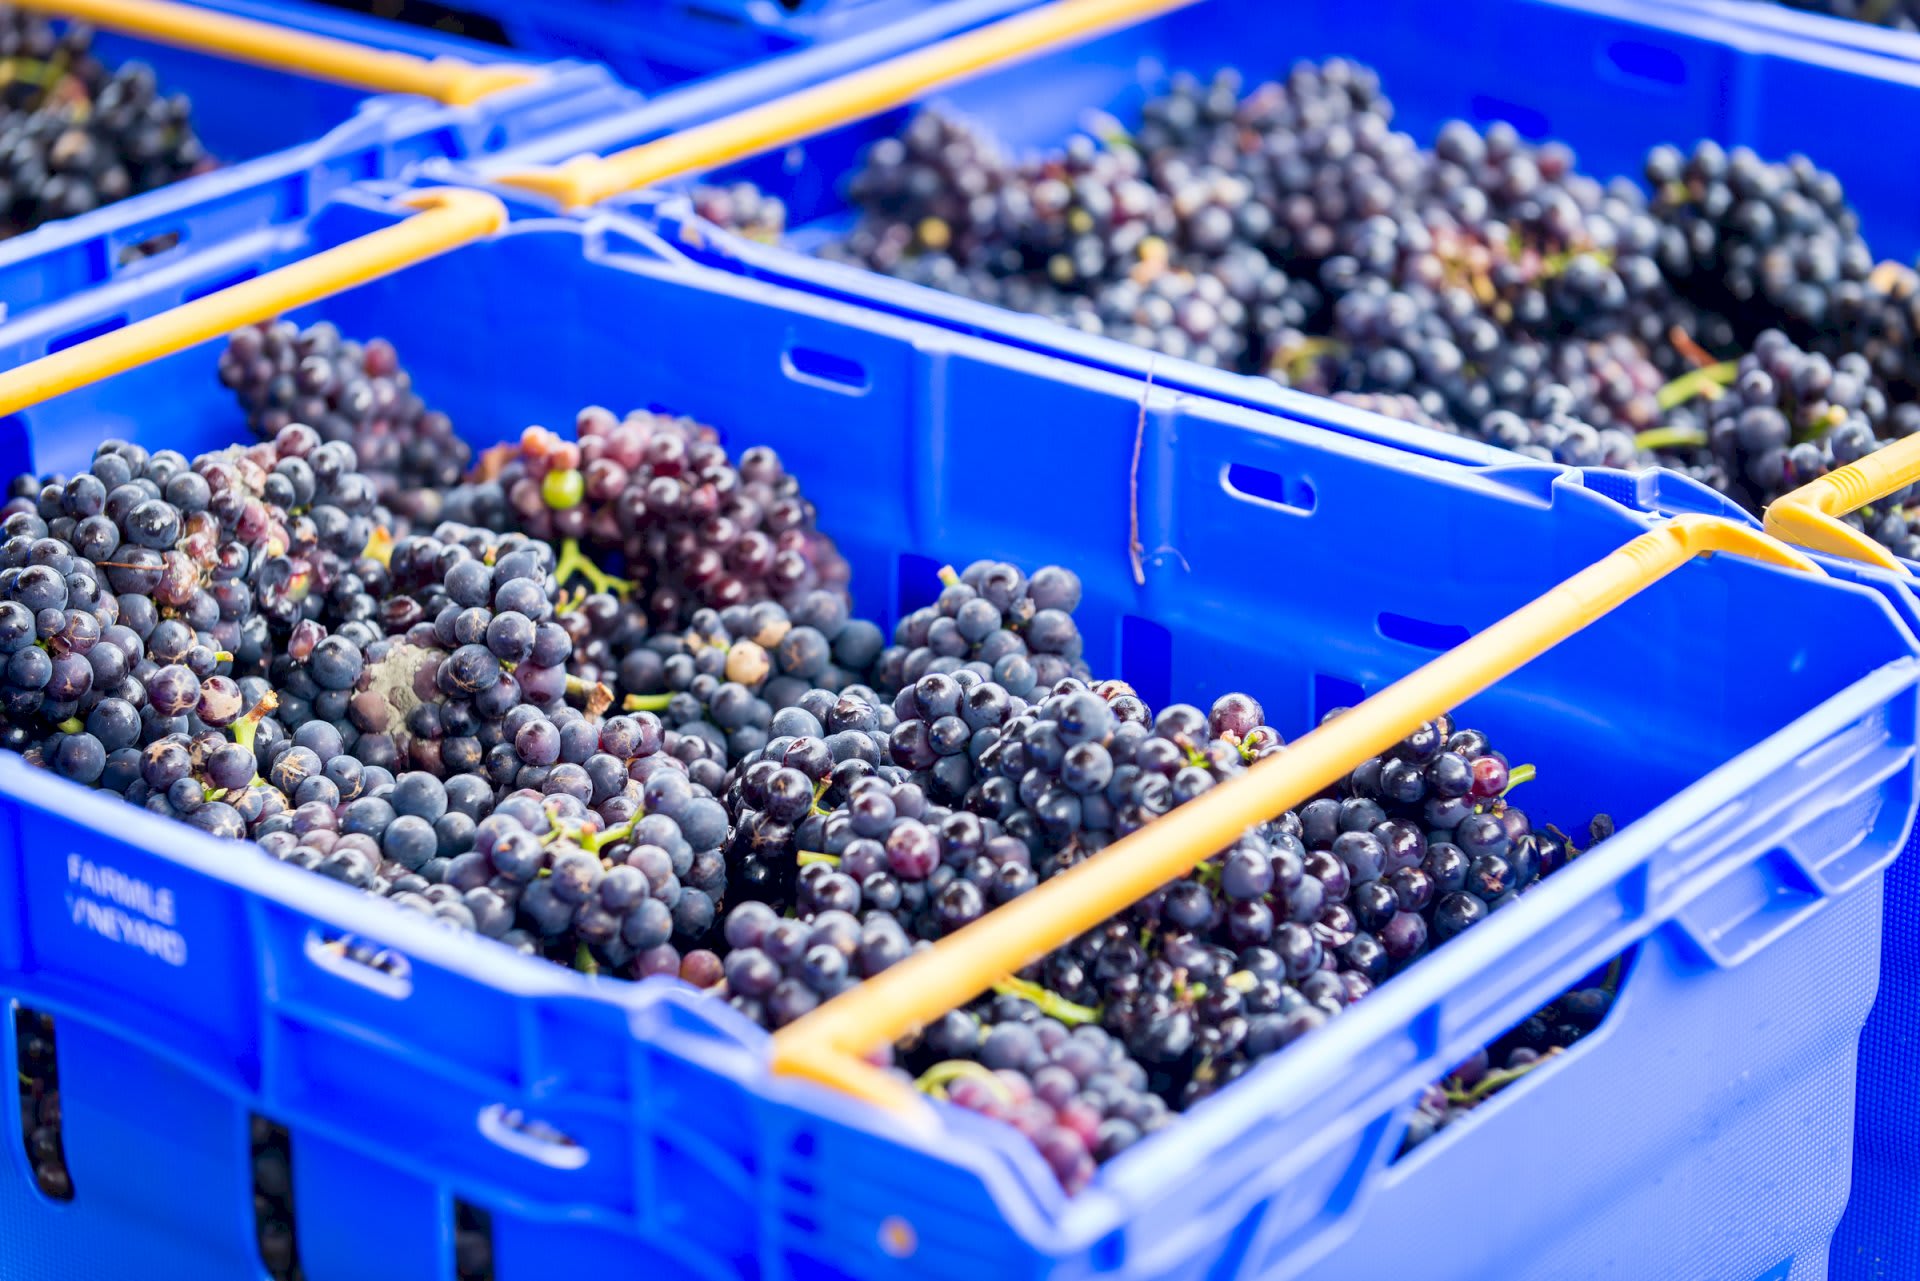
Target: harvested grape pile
[1726, 319]
[605, 701]
[74, 134]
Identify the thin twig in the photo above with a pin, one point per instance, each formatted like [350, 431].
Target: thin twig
[1696, 355]
[1134, 547]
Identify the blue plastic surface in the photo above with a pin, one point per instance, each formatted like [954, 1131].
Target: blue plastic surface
[658, 43]
[1763, 776]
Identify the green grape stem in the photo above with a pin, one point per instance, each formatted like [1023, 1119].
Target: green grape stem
[1495, 1081]
[584, 962]
[934, 1080]
[1670, 438]
[1051, 1004]
[248, 726]
[574, 561]
[593, 842]
[646, 702]
[1710, 381]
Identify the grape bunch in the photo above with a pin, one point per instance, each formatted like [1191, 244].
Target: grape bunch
[901, 770]
[148, 596]
[1483, 277]
[824, 747]
[1070, 1088]
[1306, 914]
[77, 135]
[354, 393]
[996, 622]
[929, 188]
[1176, 986]
[1764, 244]
[1440, 362]
[1790, 416]
[658, 496]
[780, 968]
[1544, 249]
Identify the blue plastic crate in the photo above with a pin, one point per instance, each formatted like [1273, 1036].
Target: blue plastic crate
[1762, 766]
[285, 141]
[1610, 77]
[282, 164]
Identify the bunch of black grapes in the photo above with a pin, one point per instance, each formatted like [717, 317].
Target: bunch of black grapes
[76, 134]
[355, 393]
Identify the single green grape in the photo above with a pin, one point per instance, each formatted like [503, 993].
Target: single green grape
[563, 489]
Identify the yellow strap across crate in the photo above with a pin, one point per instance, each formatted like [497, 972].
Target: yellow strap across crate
[1811, 515]
[895, 82]
[447, 80]
[449, 217]
[825, 1045]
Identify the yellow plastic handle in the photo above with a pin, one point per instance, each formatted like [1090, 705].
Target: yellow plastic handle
[447, 80]
[1810, 515]
[590, 179]
[449, 217]
[966, 963]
